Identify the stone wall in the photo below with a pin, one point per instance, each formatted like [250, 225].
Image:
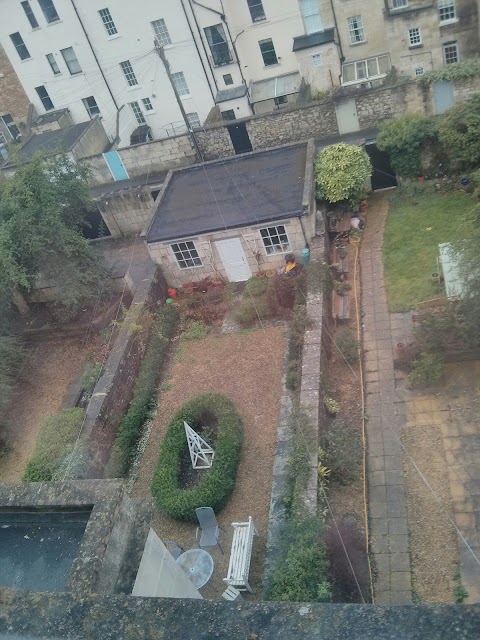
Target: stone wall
[13, 99]
[214, 142]
[378, 105]
[127, 212]
[212, 264]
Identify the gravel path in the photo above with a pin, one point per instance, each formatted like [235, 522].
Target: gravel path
[245, 366]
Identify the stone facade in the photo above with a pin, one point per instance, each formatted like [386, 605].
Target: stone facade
[378, 105]
[13, 99]
[215, 142]
[127, 212]
[212, 264]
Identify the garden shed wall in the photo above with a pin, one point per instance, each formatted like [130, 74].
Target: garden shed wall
[212, 264]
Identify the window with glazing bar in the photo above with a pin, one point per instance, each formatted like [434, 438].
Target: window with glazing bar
[108, 22]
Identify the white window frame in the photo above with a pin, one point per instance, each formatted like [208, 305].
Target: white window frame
[53, 64]
[399, 4]
[137, 112]
[89, 108]
[129, 73]
[181, 84]
[71, 61]
[367, 78]
[194, 120]
[274, 232]
[415, 37]
[46, 6]
[356, 29]
[317, 59]
[262, 53]
[161, 32]
[450, 45]
[186, 254]
[311, 16]
[419, 71]
[447, 12]
[20, 46]
[107, 21]
[30, 15]
[255, 14]
[147, 104]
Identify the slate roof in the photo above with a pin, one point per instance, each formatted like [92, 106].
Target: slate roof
[314, 39]
[51, 141]
[249, 189]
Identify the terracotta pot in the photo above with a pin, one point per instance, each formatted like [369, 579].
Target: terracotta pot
[401, 346]
[436, 278]
[420, 179]
[363, 206]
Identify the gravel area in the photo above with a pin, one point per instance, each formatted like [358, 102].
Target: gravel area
[432, 538]
[247, 367]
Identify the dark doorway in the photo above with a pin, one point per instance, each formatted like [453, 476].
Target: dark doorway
[239, 137]
[95, 226]
[383, 175]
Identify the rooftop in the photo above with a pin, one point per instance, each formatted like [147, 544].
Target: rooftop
[52, 141]
[249, 189]
[314, 39]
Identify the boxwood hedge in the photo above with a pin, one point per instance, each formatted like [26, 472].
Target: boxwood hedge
[217, 483]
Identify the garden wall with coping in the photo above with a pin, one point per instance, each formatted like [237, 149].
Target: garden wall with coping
[316, 350]
[114, 388]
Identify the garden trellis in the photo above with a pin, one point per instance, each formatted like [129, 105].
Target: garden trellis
[201, 453]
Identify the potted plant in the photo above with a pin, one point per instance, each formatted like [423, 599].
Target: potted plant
[331, 406]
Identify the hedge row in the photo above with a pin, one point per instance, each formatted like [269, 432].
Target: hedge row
[217, 483]
[54, 445]
[144, 392]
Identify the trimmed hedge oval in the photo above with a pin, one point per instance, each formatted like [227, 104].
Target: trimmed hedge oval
[217, 483]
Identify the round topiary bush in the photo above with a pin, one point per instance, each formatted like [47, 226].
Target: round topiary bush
[216, 483]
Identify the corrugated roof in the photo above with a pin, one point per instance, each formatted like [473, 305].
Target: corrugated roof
[314, 39]
[274, 87]
[246, 190]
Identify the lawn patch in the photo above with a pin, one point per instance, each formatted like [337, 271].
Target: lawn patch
[415, 227]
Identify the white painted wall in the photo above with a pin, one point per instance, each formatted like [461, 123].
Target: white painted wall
[135, 42]
[64, 90]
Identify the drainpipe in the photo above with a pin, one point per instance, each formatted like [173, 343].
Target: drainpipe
[94, 55]
[342, 57]
[198, 50]
[224, 20]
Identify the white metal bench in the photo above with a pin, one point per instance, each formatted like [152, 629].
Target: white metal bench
[240, 555]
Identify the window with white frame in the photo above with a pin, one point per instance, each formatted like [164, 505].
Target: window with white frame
[450, 52]
[275, 239]
[399, 4]
[91, 106]
[414, 37]
[108, 22]
[311, 16]
[147, 103]
[71, 60]
[317, 59]
[186, 254]
[9, 122]
[268, 52]
[256, 10]
[20, 46]
[446, 11]
[193, 119]
[419, 71]
[53, 64]
[30, 15]
[49, 10]
[137, 112]
[45, 98]
[364, 70]
[161, 32]
[180, 83]
[355, 29]
[129, 73]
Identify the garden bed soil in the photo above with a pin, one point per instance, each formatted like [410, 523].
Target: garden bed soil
[343, 384]
[49, 372]
[247, 367]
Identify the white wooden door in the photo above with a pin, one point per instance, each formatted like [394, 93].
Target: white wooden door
[234, 259]
[347, 118]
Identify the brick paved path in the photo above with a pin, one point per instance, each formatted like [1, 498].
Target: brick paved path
[386, 416]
